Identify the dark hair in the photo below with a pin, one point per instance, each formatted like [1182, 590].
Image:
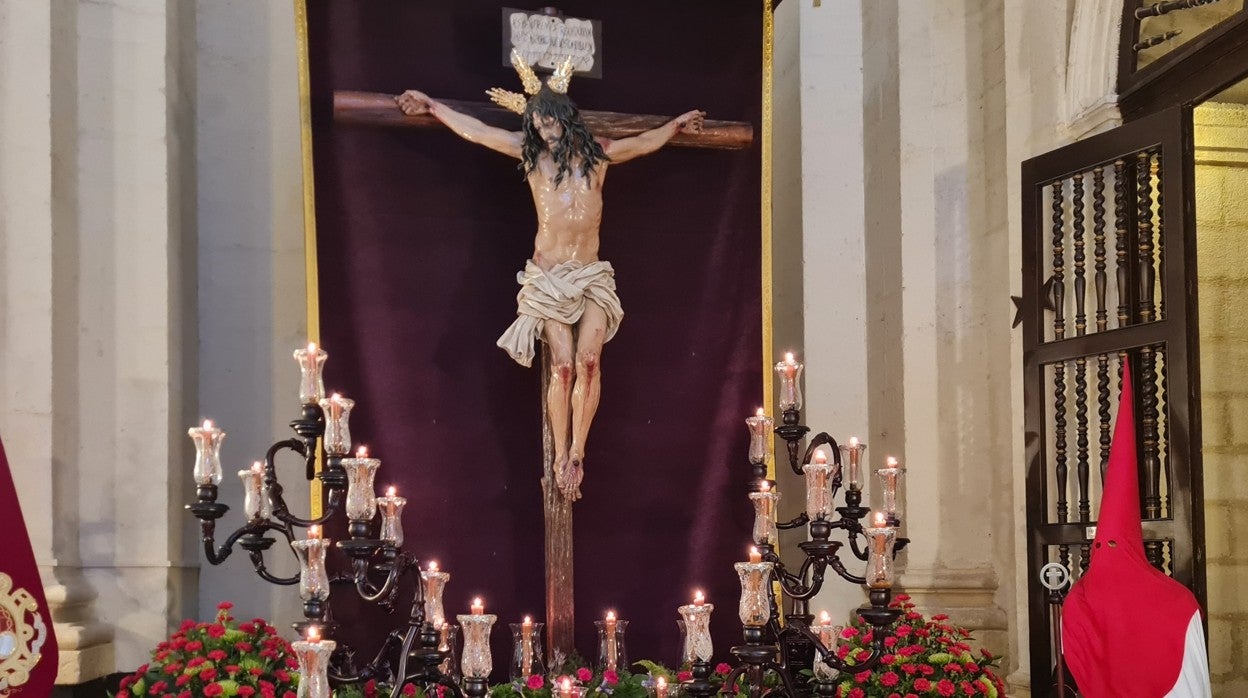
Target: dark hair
[576, 139]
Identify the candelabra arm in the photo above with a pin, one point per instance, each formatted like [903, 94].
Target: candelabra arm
[373, 670]
[791, 583]
[854, 532]
[257, 561]
[400, 673]
[808, 592]
[280, 511]
[372, 594]
[730, 681]
[839, 568]
[820, 439]
[217, 555]
[801, 520]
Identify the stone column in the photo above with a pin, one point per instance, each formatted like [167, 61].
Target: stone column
[94, 114]
[956, 338]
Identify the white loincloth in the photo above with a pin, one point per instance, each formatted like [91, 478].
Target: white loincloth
[560, 295]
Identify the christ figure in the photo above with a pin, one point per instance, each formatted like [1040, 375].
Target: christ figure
[567, 294]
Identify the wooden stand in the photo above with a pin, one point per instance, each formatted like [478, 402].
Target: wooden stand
[557, 512]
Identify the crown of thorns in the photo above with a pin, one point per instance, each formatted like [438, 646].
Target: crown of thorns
[516, 102]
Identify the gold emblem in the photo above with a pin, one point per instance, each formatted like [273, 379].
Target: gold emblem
[22, 634]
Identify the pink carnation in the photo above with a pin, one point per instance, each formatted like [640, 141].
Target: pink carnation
[535, 682]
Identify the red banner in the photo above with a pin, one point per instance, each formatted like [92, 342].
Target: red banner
[28, 656]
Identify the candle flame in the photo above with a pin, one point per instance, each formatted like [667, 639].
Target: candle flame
[765, 487]
[662, 682]
[821, 458]
[257, 466]
[207, 424]
[312, 348]
[477, 603]
[391, 491]
[433, 564]
[314, 531]
[788, 357]
[361, 452]
[760, 413]
[566, 684]
[610, 615]
[528, 620]
[879, 519]
[890, 462]
[699, 597]
[853, 442]
[824, 618]
[314, 634]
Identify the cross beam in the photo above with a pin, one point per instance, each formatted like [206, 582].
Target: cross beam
[378, 109]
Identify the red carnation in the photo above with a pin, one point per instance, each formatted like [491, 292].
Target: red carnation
[584, 674]
[213, 689]
[723, 668]
[246, 691]
[922, 685]
[890, 679]
[408, 690]
[208, 674]
[610, 678]
[535, 682]
[863, 676]
[216, 655]
[945, 687]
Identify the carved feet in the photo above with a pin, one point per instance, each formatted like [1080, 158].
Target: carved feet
[568, 475]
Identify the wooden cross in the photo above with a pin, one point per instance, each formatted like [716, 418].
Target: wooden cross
[375, 109]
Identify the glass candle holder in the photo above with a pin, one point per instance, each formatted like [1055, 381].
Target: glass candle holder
[852, 454]
[698, 646]
[313, 579]
[765, 503]
[880, 540]
[660, 688]
[820, 474]
[391, 507]
[890, 476]
[256, 504]
[526, 654]
[476, 663]
[434, 582]
[448, 635]
[789, 372]
[361, 497]
[337, 411]
[612, 653]
[760, 436]
[313, 656]
[311, 365]
[829, 636]
[566, 689]
[207, 440]
[684, 640]
[755, 608]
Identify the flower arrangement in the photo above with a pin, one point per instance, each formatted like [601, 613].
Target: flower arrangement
[221, 658]
[925, 657]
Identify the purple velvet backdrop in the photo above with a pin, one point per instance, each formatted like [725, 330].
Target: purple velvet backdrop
[420, 236]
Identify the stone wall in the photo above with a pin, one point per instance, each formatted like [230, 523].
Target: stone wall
[1222, 263]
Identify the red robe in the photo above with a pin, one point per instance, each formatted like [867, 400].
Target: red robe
[1128, 629]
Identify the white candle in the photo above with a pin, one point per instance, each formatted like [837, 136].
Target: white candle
[478, 608]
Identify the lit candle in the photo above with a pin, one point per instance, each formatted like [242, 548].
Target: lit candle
[820, 478]
[314, 634]
[478, 608]
[207, 440]
[565, 688]
[434, 582]
[889, 476]
[313, 656]
[361, 452]
[361, 503]
[760, 426]
[660, 688]
[612, 652]
[755, 556]
[824, 618]
[311, 363]
[526, 647]
[314, 532]
[391, 507]
[765, 501]
[337, 439]
[881, 538]
[852, 453]
[789, 371]
[699, 599]
[827, 635]
[255, 497]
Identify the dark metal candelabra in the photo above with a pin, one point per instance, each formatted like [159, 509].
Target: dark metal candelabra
[410, 653]
[789, 649]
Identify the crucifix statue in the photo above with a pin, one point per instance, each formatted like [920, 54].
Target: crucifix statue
[567, 294]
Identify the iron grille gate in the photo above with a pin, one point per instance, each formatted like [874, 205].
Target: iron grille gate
[1109, 258]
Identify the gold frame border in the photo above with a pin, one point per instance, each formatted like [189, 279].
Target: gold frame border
[769, 33]
[311, 279]
[309, 205]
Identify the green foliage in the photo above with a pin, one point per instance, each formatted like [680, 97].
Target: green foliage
[222, 658]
